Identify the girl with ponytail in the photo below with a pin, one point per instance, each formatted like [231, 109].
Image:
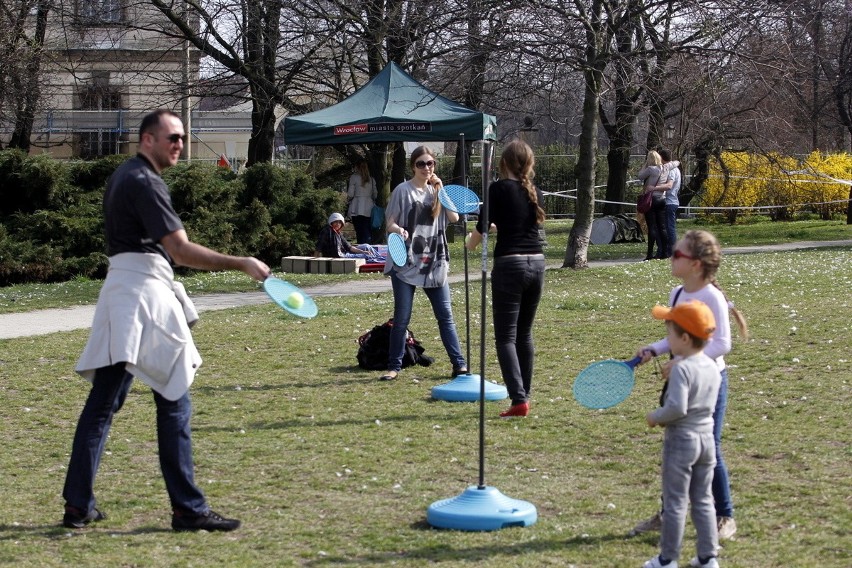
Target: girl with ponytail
[517, 279]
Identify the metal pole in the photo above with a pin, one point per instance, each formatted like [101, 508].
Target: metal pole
[483, 214]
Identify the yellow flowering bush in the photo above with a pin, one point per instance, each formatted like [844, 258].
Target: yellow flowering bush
[745, 180]
[820, 190]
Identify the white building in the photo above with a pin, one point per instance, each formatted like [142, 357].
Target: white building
[108, 64]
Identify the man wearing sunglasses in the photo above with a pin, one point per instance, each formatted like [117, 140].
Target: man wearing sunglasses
[141, 329]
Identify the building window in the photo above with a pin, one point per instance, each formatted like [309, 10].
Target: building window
[98, 127]
[92, 145]
[99, 11]
[99, 98]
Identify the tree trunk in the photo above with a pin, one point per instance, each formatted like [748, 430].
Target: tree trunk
[260, 146]
[576, 252]
[849, 208]
[703, 150]
[618, 160]
[627, 89]
[27, 106]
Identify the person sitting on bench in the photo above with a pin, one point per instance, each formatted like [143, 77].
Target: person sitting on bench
[332, 244]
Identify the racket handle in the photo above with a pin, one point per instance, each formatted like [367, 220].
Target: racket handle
[633, 362]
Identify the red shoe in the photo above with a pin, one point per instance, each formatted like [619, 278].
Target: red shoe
[516, 410]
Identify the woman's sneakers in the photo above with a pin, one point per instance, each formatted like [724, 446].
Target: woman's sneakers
[727, 527]
[516, 411]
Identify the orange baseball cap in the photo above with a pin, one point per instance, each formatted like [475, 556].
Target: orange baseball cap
[693, 316]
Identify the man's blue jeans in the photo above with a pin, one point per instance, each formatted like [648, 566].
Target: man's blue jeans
[109, 391]
[403, 300]
[671, 227]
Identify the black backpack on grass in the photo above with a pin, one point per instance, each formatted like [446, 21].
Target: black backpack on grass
[374, 345]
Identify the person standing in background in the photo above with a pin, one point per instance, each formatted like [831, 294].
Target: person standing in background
[672, 198]
[361, 191]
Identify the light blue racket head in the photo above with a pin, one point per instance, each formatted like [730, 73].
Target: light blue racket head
[290, 297]
[397, 249]
[605, 383]
[459, 199]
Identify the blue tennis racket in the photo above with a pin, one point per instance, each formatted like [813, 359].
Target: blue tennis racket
[605, 383]
[459, 199]
[289, 297]
[397, 249]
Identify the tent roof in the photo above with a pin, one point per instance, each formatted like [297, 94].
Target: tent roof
[392, 107]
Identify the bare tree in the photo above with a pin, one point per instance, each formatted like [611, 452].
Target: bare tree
[268, 43]
[23, 53]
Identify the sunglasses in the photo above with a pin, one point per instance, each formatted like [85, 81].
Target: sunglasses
[175, 138]
[427, 164]
[679, 254]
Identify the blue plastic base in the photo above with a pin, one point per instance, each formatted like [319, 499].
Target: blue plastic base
[466, 388]
[481, 510]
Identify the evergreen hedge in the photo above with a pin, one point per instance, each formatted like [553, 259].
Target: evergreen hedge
[51, 221]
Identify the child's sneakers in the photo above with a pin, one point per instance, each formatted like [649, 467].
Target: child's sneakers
[516, 411]
[655, 562]
[711, 563]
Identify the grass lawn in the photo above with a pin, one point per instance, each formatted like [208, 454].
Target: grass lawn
[327, 466]
[759, 231]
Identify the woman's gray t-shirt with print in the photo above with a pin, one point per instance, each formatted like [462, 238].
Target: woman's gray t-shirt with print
[428, 255]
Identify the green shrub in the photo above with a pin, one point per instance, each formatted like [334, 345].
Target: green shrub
[51, 217]
[204, 195]
[30, 183]
[295, 208]
[92, 175]
[24, 261]
[93, 265]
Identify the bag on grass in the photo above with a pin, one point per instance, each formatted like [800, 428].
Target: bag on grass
[375, 344]
[643, 204]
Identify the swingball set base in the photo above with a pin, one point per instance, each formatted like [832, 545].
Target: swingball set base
[484, 509]
[466, 388]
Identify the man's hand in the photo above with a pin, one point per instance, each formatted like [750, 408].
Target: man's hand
[255, 268]
[192, 255]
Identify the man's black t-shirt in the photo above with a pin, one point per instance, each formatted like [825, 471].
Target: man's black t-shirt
[138, 210]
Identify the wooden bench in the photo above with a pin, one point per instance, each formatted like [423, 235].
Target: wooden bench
[320, 265]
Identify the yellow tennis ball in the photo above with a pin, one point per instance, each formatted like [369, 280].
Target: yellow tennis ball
[295, 300]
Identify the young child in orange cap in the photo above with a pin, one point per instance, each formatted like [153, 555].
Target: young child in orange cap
[689, 454]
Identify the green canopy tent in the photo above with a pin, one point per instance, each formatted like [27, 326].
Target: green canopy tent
[392, 107]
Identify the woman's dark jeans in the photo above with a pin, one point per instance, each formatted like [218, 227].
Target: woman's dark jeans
[657, 233]
[516, 286]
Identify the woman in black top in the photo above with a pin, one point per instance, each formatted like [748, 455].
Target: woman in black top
[517, 279]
